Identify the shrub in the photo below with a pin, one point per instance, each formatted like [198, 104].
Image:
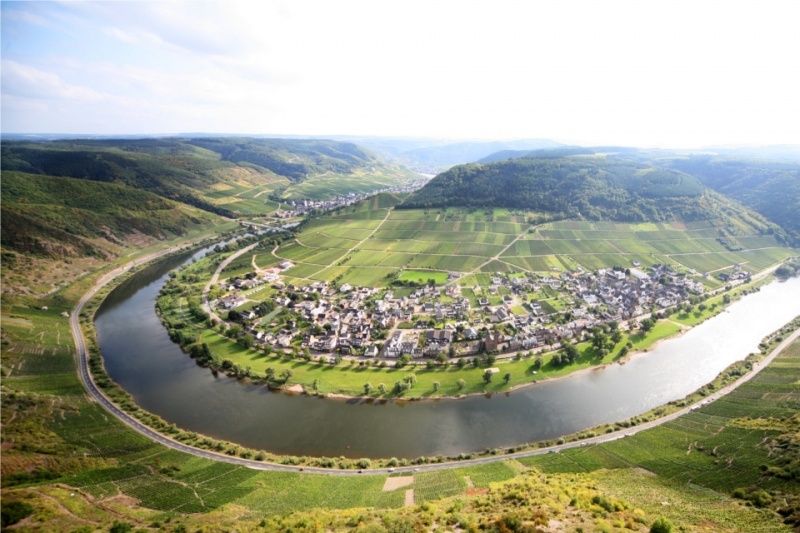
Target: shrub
[661, 525]
[13, 512]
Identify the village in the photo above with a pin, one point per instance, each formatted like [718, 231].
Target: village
[292, 209]
[514, 312]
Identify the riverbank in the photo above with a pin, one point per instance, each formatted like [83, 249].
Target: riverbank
[365, 379]
[181, 437]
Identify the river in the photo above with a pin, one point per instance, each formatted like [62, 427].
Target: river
[140, 357]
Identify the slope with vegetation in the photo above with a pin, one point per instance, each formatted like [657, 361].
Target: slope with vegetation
[67, 465]
[766, 180]
[588, 187]
[771, 188]
[68, 205]
[228, 176]
[56, 228]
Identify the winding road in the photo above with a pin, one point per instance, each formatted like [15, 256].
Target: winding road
[97, 395]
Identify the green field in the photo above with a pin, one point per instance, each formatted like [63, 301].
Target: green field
[76, 466]
[71, 462]
[423, 276]
[369, 248]
[742, 441]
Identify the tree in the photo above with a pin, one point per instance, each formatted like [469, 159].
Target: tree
[461, 384]
[507, 377]
[286, 375]
[436, 386]
[487, 376]
[245, 341]
[647, 324]
[367, 388]
[382, 388]
[537, 363]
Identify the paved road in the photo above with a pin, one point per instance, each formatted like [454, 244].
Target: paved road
[96, 394]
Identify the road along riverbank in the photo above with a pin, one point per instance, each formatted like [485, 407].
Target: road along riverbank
[231, 415]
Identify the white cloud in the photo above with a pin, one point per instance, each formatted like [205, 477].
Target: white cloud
[669, 73]
[29, 82]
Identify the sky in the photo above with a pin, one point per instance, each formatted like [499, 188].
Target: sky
[673, 73]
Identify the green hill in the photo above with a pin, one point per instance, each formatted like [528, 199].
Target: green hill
[226, 176]
[296, 159]
[51, 224]
[766, 179]
[589, 187]
[771, 188]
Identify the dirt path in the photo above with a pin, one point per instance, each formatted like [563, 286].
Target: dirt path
[495, 257]
[257, 268]
[214, 278]
[409, 498]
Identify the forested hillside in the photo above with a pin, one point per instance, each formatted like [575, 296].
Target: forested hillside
[51, 222]
[199, 172]
[587, 187]
[764, 179]
[771, 188]
[295, 159]
[627, 188]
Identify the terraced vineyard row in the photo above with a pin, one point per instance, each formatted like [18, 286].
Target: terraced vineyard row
[462, 241]
[721, 446]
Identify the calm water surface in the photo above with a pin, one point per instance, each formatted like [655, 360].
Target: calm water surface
[140, 356]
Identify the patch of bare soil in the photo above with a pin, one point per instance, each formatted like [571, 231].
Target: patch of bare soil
[394, 483]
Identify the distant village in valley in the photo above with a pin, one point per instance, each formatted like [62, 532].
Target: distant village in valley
[292, 209]
[510, 313]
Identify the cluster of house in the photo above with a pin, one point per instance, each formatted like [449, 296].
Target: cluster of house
[735, 275]
[299, 208]
[626, 294]
[439, 321]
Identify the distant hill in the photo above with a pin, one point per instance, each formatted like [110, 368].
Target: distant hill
[194, 171]
[565, 151]
[296, 159]
[589, 187]
[433, 155]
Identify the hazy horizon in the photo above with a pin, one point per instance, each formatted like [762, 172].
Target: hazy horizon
[678, 74]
